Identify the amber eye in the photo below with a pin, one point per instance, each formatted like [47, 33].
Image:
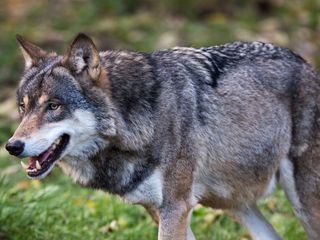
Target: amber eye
[22, 107]
[53, 106]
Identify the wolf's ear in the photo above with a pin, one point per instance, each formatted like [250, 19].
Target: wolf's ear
[83, 56]
[32, 54]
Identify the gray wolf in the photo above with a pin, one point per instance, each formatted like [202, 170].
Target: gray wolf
[169, 129]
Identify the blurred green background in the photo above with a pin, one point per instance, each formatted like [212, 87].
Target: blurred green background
[59, 209]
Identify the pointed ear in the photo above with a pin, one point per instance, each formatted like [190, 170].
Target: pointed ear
[32, 54]
[83, 56]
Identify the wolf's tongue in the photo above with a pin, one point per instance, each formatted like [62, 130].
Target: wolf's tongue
[43, 157]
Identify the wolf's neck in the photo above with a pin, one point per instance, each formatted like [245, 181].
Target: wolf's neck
[135, 90]
[122, 166]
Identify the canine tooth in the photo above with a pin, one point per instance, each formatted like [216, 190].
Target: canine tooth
[38, 166]
[25, 166]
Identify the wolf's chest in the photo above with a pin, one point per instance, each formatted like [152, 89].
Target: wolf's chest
[148, 192]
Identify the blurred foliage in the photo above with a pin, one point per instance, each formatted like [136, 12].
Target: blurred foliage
[146, 25]
[57, 209]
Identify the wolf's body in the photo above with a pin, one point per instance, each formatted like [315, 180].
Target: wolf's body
[178, 127]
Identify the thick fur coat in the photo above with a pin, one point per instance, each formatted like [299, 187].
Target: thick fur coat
[177, 127]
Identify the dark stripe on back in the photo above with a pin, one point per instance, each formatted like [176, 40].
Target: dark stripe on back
[198, 84]
[154, 92]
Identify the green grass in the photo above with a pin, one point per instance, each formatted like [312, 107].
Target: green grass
[58, 209]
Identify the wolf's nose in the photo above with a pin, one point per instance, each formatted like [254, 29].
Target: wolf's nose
[15, 147]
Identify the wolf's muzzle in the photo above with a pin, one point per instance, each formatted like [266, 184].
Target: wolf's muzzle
[15, 147]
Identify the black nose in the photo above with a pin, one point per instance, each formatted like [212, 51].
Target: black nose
[15, 147]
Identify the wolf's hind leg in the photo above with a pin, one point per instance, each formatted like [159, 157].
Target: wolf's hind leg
[252, 219]
[302, 186]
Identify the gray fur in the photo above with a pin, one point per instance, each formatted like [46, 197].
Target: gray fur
[216, 122]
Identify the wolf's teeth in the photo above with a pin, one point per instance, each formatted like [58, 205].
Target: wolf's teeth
[38, 166]
[56, 142]
[54, 146]
[24, 166]
[31, 170]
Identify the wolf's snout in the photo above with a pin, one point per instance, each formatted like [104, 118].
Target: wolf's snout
[15, 147]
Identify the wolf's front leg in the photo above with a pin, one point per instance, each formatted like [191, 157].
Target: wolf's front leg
[173, 222]
[154, 213]
[175, 210]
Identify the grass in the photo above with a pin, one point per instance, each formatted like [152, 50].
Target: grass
[58, 209]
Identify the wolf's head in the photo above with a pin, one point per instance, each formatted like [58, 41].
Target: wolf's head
[64, 107]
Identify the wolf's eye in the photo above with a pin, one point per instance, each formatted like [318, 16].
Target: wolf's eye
[22, 107]
[53, 106]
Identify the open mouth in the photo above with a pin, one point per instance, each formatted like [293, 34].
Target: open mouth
[40, 166]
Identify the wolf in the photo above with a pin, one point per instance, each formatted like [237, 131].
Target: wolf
[219, 126]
